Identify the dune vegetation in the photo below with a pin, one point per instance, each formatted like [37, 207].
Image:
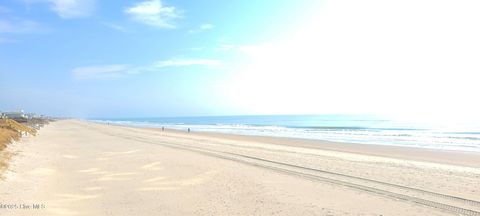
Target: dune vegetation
[11, 130]
[6, 136]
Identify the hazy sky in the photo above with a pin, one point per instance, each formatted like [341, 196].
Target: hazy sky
[92, 58]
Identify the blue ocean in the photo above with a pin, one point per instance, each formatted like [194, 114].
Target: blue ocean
[360, 129]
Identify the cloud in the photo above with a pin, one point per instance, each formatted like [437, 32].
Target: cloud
[186, 62]
[69, 9]
[114, 71]
[73, 8]
[9, 26]
[18, 26]
[101, 72]
[154, 13]
[201, 28]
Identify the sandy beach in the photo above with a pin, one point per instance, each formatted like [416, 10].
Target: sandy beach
[76, 167]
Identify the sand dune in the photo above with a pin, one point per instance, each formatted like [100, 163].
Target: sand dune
[81, 168]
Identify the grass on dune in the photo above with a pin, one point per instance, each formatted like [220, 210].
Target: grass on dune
[6, 136]
[9, 123]
[10, 130]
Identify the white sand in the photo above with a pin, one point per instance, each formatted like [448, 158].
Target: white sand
[80, 168]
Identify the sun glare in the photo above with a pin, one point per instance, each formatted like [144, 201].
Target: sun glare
[346, 59]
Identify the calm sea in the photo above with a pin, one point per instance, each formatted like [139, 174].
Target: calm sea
[342, 128]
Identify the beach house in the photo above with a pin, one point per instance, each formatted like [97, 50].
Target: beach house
[18, 116]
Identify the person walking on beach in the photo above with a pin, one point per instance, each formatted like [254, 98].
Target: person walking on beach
[188, 130]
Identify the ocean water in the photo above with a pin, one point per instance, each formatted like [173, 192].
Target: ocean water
[360, 129]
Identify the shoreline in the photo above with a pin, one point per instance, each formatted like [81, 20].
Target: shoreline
[450, 157]
[413, 135]
[83, 168]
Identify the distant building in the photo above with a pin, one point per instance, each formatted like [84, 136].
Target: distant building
[32, 115]
[19, 116]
